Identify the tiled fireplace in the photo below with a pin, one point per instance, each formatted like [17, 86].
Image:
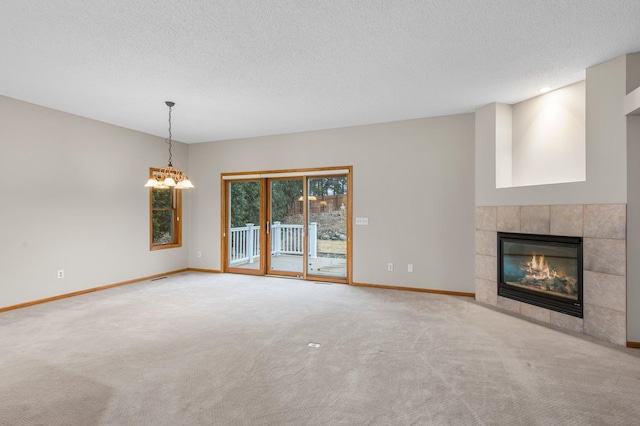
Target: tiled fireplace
[603, 228]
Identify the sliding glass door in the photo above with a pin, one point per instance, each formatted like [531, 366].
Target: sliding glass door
[296, 226]
[245, 236]
[327, 223]
[286, 227]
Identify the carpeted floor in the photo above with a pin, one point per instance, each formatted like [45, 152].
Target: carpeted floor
[197, 349]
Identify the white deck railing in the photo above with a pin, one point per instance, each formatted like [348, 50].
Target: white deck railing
[244, 242]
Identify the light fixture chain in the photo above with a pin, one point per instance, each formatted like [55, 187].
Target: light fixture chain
[170, 135]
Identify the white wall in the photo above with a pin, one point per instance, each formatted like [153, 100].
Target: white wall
[549, 138]
[606, 170]
[541, 140]
[504, 145]
[73, 199]
[412, 179]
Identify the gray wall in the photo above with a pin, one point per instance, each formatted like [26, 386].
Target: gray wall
[413, 180]
[633, 230]
[633, 206]
[73, 199]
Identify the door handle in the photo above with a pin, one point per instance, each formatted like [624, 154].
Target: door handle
[268, 227]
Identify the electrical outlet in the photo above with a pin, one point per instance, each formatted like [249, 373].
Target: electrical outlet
[389, 266]
[410, 267]
[199, 254]
[61, 273]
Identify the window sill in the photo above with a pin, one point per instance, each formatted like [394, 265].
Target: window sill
[164, 246]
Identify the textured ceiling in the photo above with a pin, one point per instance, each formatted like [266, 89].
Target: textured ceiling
[239, 68]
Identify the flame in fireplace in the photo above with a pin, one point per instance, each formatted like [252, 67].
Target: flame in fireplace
[538, 268]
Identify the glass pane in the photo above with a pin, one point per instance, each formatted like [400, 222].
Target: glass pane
[287, 225]
[327, 214]
[547, 269]
[244, 225]
[161, 198]
[162, 221]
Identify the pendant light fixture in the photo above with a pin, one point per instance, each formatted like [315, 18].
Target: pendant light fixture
[169, 177]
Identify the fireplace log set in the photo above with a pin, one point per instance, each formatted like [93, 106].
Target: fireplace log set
[542, 277]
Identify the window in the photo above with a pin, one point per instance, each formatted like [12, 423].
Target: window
[166, 210]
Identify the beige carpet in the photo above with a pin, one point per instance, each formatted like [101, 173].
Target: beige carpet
[196, 349]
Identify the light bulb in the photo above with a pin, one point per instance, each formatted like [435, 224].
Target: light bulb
[152, 183]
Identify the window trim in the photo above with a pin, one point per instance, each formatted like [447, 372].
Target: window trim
[177, 222]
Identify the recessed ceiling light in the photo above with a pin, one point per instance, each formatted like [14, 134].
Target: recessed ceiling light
[544, 89]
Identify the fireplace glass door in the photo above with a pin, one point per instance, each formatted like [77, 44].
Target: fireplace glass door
[542, 270]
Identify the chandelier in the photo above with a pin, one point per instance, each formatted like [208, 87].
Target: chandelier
[169, 177]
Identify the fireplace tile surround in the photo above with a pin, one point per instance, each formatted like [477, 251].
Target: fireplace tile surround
[603, 228]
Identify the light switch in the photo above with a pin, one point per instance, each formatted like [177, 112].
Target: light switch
[362, 220]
